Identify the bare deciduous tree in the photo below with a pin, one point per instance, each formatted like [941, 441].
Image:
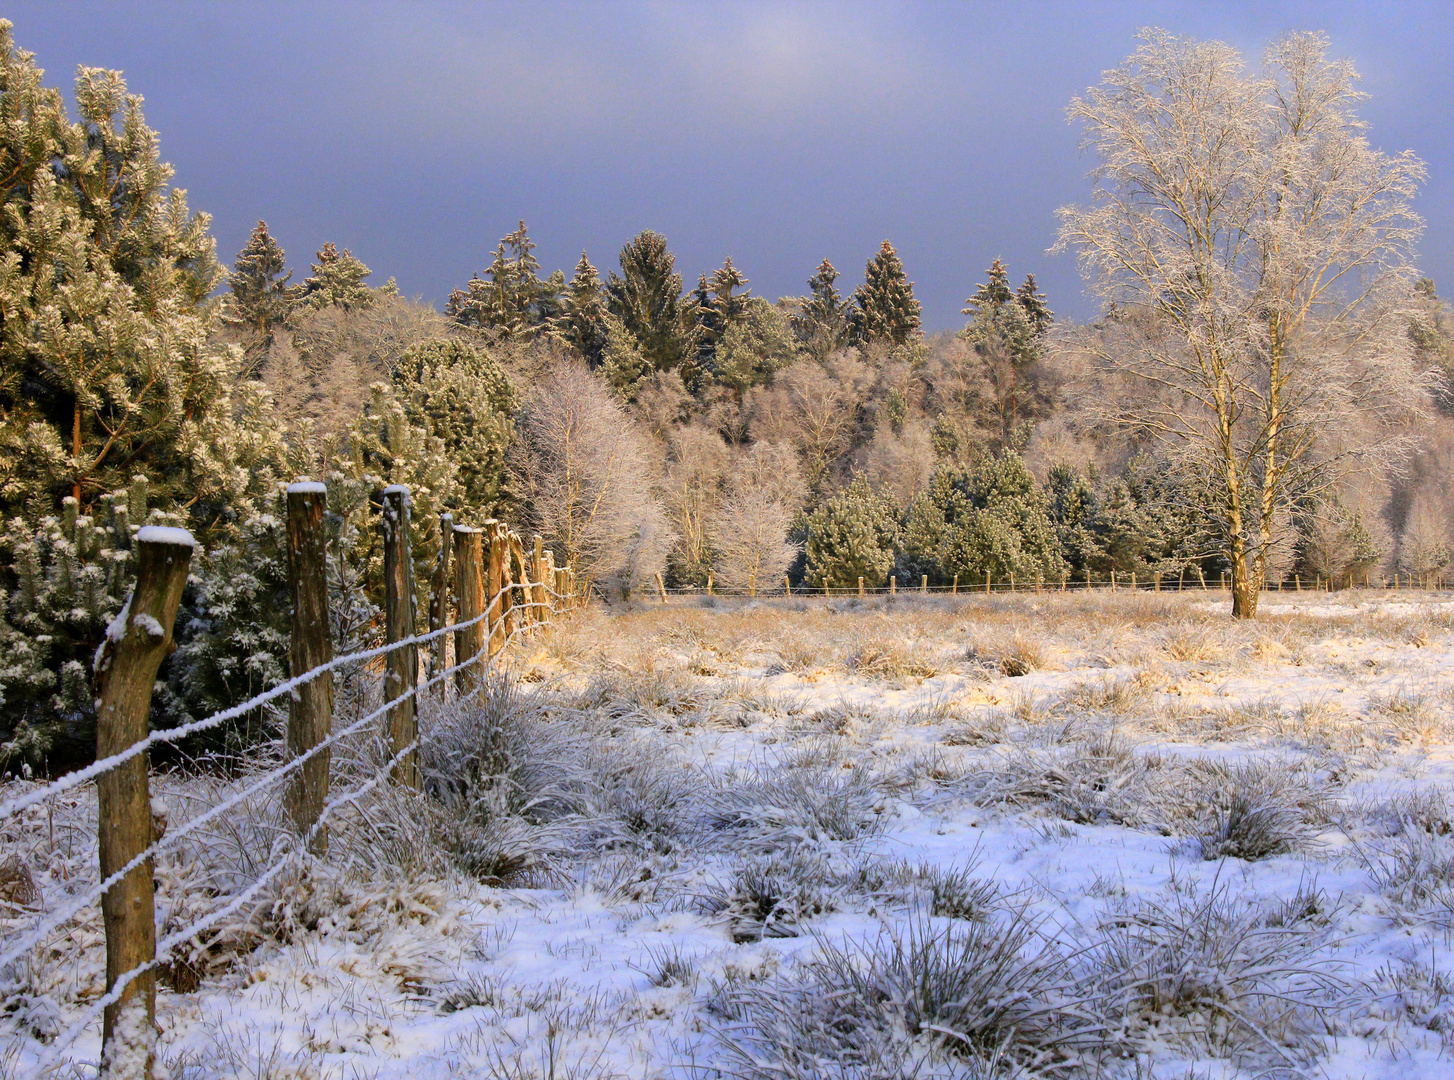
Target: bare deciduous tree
[587, 475]
[1257, 253]
[749, 533]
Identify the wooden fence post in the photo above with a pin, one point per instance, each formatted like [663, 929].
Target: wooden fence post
[893, 584]
[439, 599]
[661, 587]
[954, 589]
[126, 669]
[495, 595]
[542, 596]
[524, 590]
[1012, 581]
[787, 586]
[401, 668]
[860, 587]
[924, 584]
[469, 603]
[551, 580]
[310, 707]
[986, 582]
[709, 584]
[1064, 580]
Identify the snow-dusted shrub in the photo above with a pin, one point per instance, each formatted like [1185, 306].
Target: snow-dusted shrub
[772, 895]
[1262, 810]
[811, 805]
[1209, 972]
[930, 998]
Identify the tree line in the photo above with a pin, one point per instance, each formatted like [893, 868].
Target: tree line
[645, 427]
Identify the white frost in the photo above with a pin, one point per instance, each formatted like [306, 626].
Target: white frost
[307, 487]
[164, 534]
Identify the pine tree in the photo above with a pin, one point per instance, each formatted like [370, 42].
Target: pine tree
[886, 308]
[1032, 301]
[105, 278]
[462, 396]
[261, 298]
[337, 279]
[991, 518]
[1003, 332]
[510, 298]
[621, 361]
[647, 298]
[757, 345]
[823, 321]
[582, 322]
[851, 535]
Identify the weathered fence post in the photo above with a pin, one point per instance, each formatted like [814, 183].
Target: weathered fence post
[542, 596]
[986, 582]
[469, 603]
[954, 589]
[1012, 581]
[135, 645]
[787, 586]
[509, 617]
[1158, 581]
[439, 598]
[893, 584]
[1201, 577]
[860, 587]
[525, 612]
[552, 582]
[661, 587]
[310, 706]
[924, 584]
[1133, 581]
[495, 595]
[401, 668]
[709, 584]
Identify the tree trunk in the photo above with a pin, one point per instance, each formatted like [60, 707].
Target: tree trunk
[1246, 587]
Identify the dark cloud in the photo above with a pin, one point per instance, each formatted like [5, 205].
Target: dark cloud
[418, 134]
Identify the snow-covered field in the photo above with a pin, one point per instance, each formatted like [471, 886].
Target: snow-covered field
[1115, 835]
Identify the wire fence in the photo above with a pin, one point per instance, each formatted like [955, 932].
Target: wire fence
[1113, 582]
[500, 594]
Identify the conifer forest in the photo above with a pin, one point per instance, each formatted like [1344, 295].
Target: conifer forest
[1044, 696]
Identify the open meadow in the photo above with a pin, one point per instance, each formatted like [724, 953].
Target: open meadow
[1104, 835]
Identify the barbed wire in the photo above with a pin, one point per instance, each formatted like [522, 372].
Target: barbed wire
[485, 657]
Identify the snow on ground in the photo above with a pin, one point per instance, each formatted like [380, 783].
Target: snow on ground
[1115, 835]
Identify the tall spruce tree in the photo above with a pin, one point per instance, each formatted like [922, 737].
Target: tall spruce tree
[509, 298]
[261, 296]
[647, 297]
[824, 320]
[1032, 302]
[582, 322]
[1005, 331]
[886, 308]
[338, 279]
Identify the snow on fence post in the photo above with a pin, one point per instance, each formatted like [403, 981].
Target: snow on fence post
[494, 594]
[551, 580]
[542, 598]
[439, 597]
[136, 642]
[401, 670]
[469, 603]
[310, 706]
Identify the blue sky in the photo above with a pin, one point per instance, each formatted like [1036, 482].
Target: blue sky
[417, 134]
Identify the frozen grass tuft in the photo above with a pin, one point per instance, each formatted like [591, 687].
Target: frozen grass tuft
[927, 998]
[804, 806]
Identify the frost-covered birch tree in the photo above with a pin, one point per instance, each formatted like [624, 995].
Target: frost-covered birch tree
[1256, 251]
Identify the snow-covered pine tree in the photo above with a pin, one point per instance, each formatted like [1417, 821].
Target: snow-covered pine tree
[105, 278]
[509, 298]
[823, 321]
[338, 280]
[755, 346]
[582, 322]
[261, 297]
[1003, 333]
[647, 297]
[1032, 301]
[459, 394]
[886, 308]
[851, 535]
[622, 364]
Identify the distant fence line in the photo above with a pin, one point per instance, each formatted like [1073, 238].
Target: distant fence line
[501, 592]
[1066, 583]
